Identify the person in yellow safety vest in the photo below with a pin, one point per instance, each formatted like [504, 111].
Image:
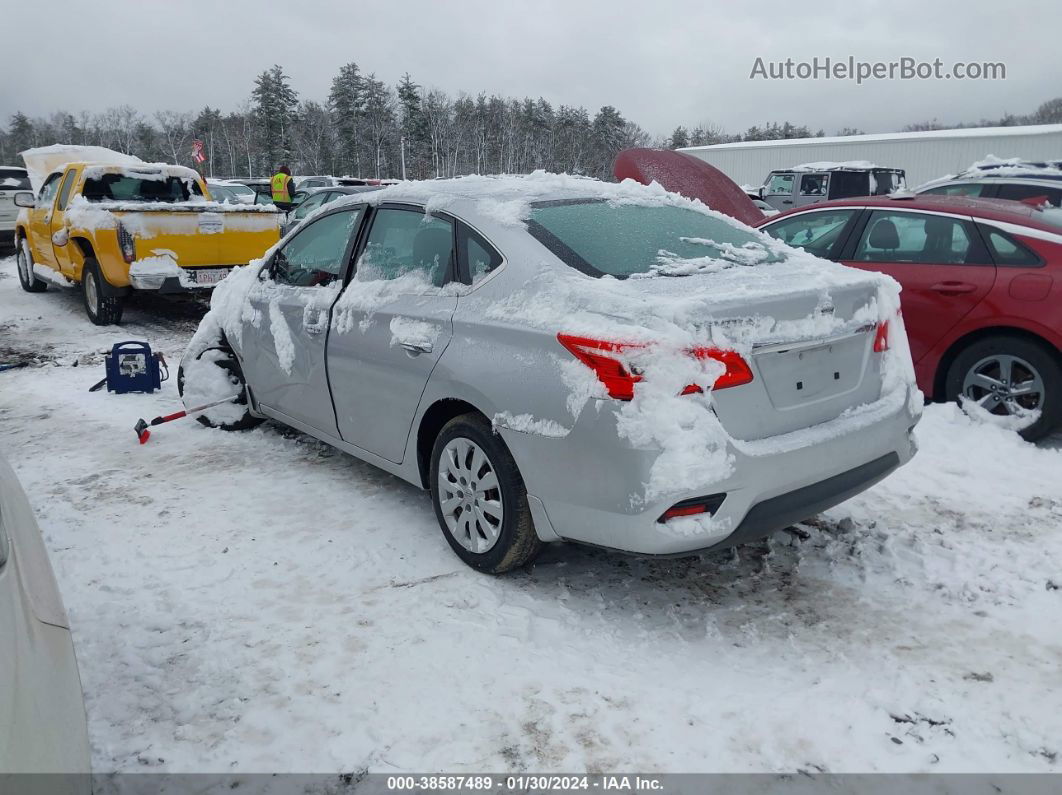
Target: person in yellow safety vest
[281, 186]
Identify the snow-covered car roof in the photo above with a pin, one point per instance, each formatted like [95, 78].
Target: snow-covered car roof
[44, 160]
[844, 165]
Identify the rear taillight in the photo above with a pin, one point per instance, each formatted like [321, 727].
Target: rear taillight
[881, 337]
[605, 358]
[126, 243]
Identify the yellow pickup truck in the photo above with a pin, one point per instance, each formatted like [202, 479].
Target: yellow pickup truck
[113, 228]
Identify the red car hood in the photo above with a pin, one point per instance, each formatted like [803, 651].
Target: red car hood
[686, 175]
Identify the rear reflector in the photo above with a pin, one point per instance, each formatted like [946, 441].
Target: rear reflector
[605, 358]
[694, 507]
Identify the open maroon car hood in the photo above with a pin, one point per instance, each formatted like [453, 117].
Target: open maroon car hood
[686, 175]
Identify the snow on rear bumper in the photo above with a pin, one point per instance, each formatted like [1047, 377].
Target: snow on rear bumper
[176, 279]
[594, 497]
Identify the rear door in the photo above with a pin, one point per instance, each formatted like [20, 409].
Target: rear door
[939, 260]
[284, 340]
[391, 326]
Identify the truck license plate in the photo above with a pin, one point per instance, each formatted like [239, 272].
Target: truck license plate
[209, 275]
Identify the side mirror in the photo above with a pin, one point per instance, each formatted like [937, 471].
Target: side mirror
[24, 199]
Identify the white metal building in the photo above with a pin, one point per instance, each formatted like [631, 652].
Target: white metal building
[924, 155]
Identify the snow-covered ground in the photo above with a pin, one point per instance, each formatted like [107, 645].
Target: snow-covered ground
[260, 601]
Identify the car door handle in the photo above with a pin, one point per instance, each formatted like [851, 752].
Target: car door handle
[314, 322]
[953, 288]
[416, 348]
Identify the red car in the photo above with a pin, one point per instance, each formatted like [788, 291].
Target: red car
[982, 290]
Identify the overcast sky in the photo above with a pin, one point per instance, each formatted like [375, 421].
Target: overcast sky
[661, 63]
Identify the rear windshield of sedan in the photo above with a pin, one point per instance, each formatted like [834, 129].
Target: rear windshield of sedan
[603, 239]
[14, 179]
[130, 188]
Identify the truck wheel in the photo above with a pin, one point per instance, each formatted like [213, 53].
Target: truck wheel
[26, 277]
[480, 499]
[231, 365]
[102, 311]
[1006, 375]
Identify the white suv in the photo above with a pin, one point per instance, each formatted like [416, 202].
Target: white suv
[12, 180]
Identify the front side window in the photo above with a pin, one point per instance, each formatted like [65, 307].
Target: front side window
[600, 239]
[780, 185]
[816, 232]
[316, 255]
[308, 206]
[407, 241]
[48, 190]
[814, 184]
[913, 237]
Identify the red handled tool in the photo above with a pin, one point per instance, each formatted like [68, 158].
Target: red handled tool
[141, 427]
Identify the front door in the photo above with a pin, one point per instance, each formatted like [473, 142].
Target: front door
[284, 336]
[939, 261]
[390, 327]
[40, 222]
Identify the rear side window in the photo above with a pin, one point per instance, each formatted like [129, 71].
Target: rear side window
[780, 185]
[479, 256]
[1006, 250]
[913, 237]
[407, 241]
[816, 232]
[1052, 196]
[64, 193]
[600, 239]
[814, 184]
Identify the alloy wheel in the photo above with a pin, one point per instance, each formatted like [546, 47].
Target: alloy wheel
[470, 496]
[1003, 384]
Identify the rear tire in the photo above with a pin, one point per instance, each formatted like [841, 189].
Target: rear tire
[26, 277]
[479, 497]
[231, 365]
[101, 310]
[1032, 366]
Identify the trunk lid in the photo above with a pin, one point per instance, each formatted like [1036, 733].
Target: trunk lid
[809, 339]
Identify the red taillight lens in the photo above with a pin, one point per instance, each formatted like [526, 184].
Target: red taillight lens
[126, 243]
[737, 370]
[694, 507]
[881, 337]
[605, 359]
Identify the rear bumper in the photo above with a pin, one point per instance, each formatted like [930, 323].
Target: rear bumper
[594, 495]
[164, 284]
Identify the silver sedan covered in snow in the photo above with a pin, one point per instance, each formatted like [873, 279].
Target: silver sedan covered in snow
[558, 358]
[42, 714]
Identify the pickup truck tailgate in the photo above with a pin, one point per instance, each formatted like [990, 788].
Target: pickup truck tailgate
[202, 238]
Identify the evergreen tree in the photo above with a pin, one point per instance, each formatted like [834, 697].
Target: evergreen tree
[346, 103]
[679, 138]
[274, 103]
[20, 133]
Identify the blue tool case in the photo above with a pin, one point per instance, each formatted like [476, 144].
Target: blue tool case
[132, 367]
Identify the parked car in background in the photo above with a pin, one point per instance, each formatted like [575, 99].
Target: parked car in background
[117, 228]
[305, 183]
[42, 709]
[12, 180]
[810, 183]
[230, 191]
[306, 201]
[982, 291]
[1030, 182]
[262, 188]
[461, 334]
